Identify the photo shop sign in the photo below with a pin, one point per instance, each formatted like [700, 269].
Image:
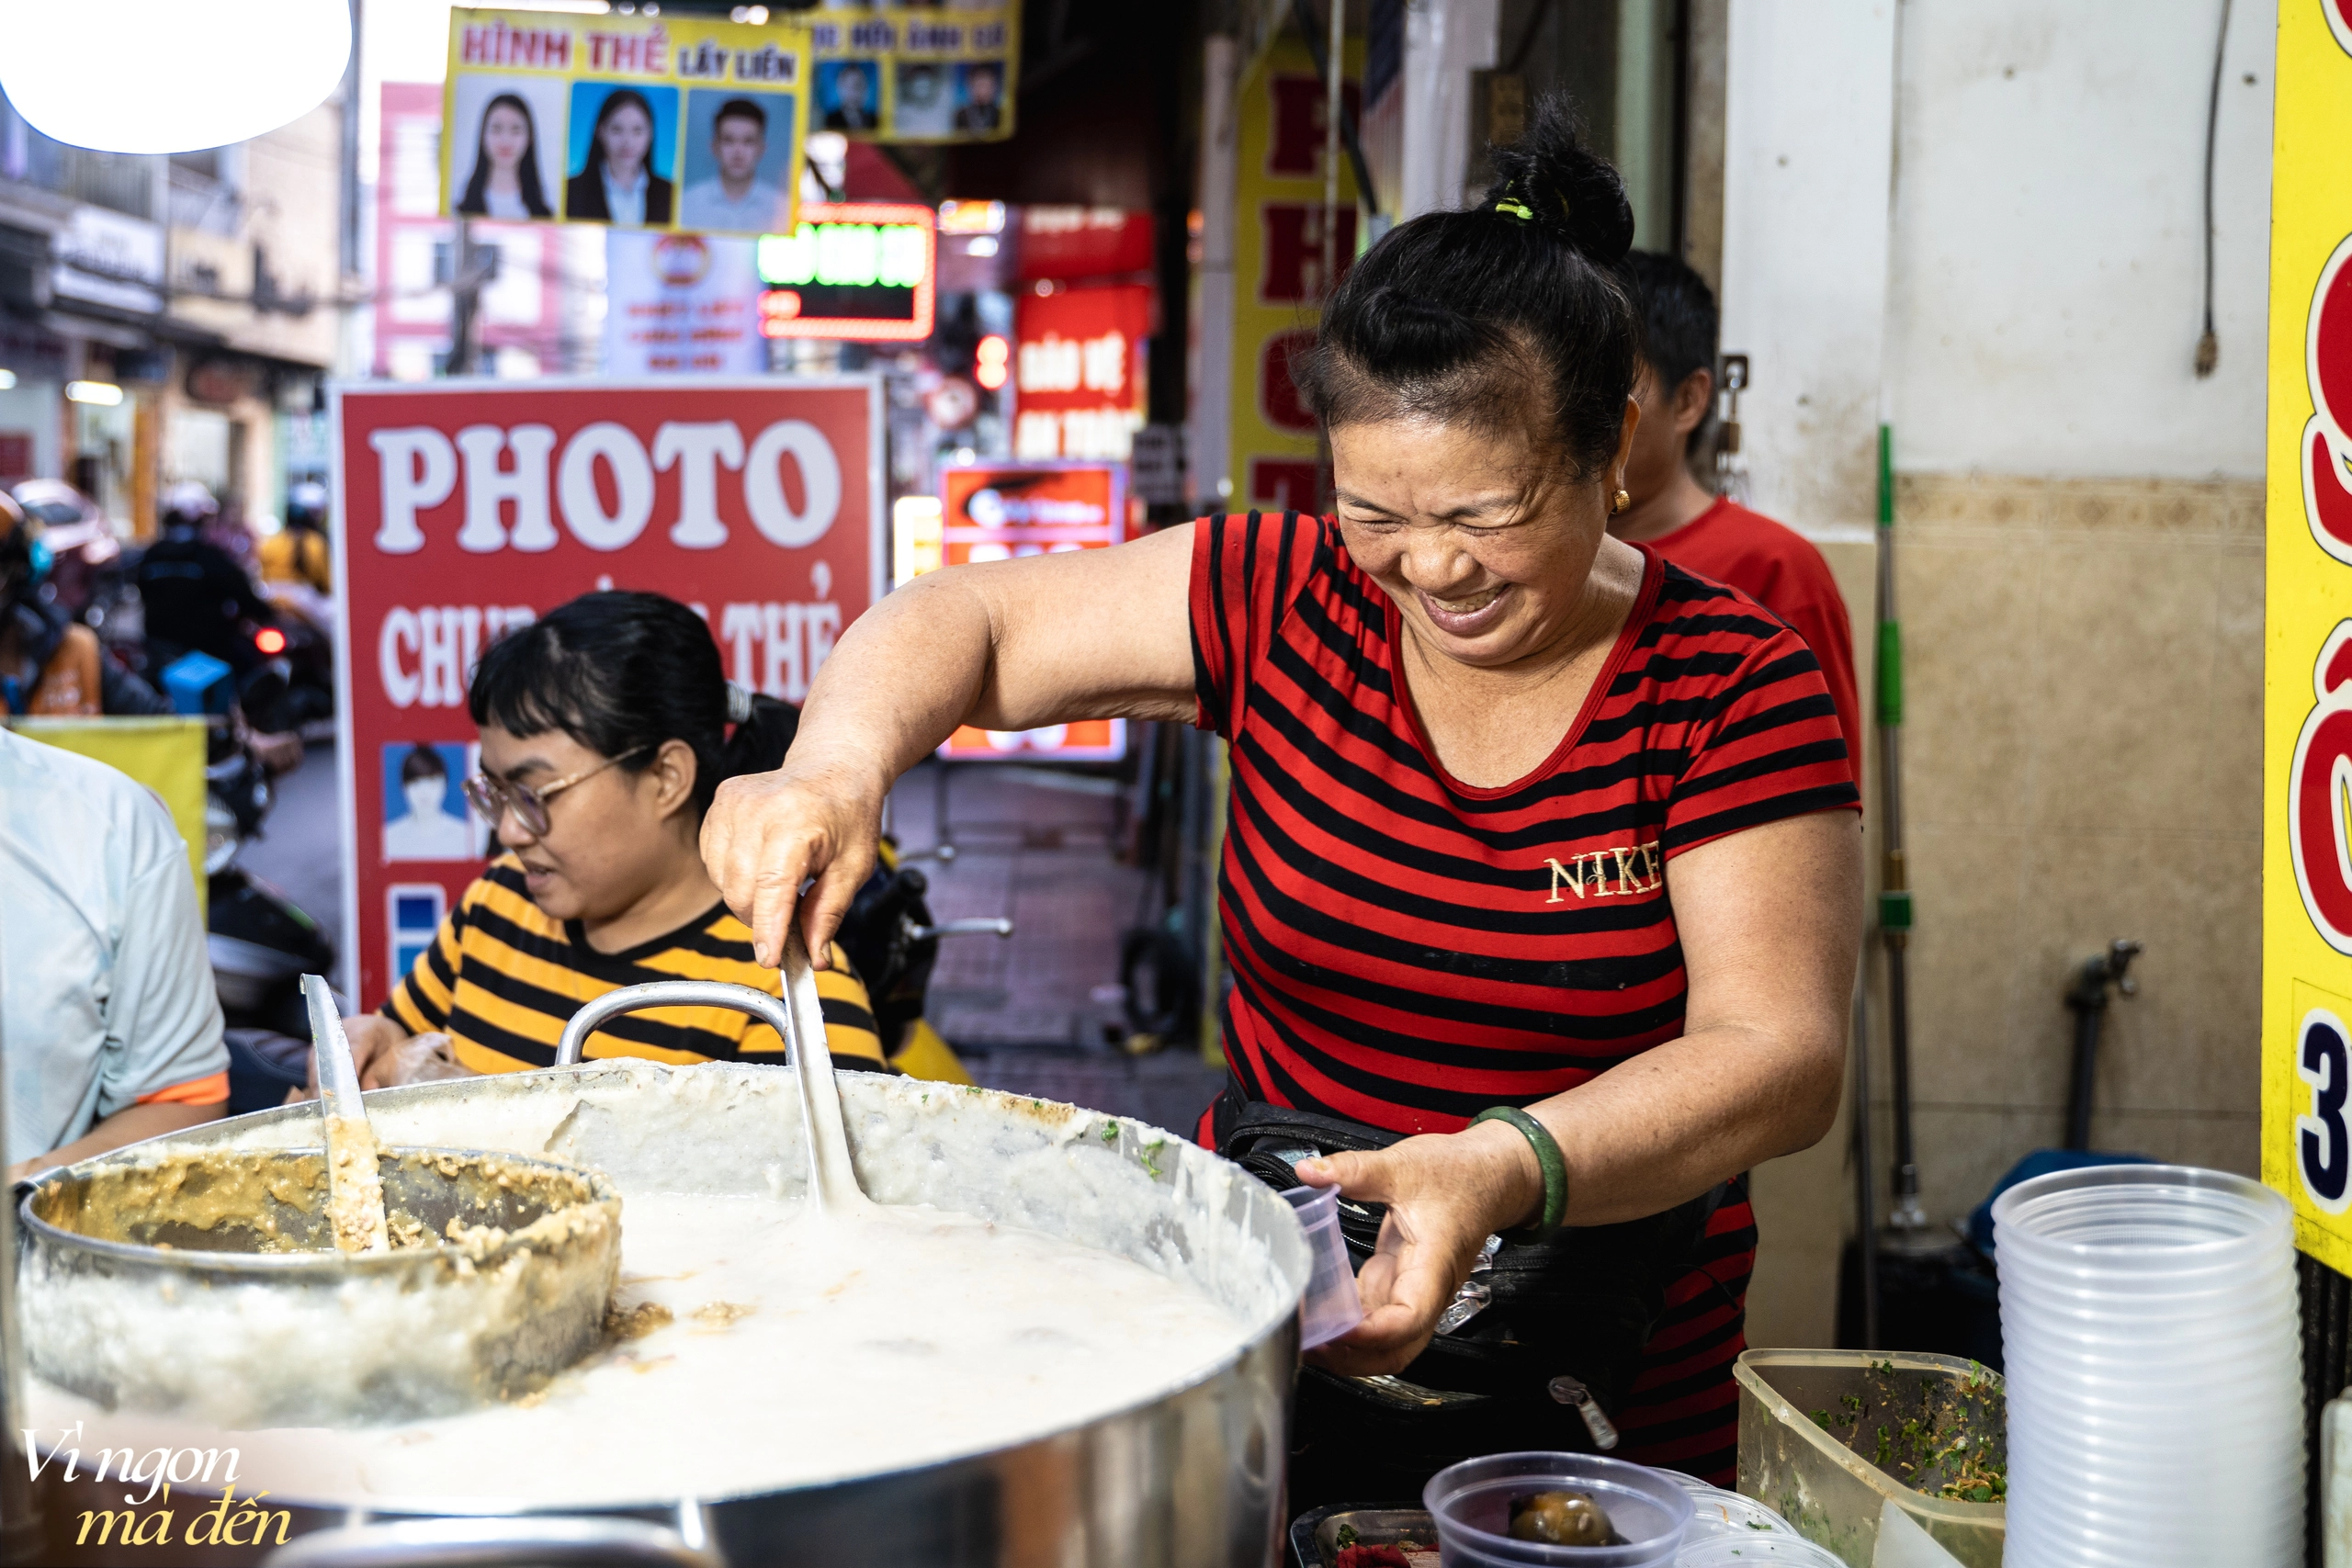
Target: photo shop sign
[465, 508]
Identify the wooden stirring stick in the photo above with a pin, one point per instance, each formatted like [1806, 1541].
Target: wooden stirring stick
[355, 1187]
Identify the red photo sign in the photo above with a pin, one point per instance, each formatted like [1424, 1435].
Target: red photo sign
[996, 514]
[464, 508]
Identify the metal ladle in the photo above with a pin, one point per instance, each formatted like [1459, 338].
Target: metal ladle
[355, 1187]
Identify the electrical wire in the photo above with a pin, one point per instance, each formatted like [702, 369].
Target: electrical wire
[2208, 346]
[1536, 20]
[1305, 17]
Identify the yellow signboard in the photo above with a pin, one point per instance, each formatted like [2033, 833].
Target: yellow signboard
[637, 120]
[915, 74]
[1278, 279]
[164, 754]
[2307, 720]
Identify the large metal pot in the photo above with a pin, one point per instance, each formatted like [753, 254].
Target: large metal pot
[227, 1256]
[1192, 1475]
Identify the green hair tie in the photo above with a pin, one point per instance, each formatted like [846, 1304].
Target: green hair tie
[1518, 209]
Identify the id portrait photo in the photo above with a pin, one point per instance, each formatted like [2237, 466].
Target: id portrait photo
[507, 147]
[623, 143]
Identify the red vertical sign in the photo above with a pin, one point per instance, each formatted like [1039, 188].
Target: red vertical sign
[997, 514]
[1077, 374]
[464, 508]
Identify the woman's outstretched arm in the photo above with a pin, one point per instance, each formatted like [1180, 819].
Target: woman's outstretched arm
[1004, 645]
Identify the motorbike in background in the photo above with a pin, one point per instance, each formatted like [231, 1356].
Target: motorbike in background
[89, 574]
[893, 941]
[261, 943]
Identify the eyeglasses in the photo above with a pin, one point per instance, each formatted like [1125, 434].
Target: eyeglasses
[493, 798]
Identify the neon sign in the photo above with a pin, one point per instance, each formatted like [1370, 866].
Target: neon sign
[864, 271]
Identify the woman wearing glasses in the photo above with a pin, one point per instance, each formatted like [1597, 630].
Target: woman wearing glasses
[605, 732]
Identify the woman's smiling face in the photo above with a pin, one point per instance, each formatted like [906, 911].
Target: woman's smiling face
[1482, 540]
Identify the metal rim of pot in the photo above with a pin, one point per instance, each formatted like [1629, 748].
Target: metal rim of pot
[306, 1263]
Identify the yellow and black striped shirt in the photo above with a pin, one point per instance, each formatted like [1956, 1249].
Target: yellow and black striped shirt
[503, 978]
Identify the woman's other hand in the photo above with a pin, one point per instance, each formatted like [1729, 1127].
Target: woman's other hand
[374, 1048]
[766, 834]
[1446, 1194]
[421, 1058]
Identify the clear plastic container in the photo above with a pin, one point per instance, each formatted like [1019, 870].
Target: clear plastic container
[1330, 1306]
[1718, 1512]
[1471, 1502]
[1735, 1551]
[1829, 1494]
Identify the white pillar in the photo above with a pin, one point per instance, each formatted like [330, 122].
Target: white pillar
[1808, 146]
[1211, 373]
[1444, 41]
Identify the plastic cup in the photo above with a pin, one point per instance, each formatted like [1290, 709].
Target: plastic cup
[2129, 1295]
[1471, 1503]
[1330, 1307]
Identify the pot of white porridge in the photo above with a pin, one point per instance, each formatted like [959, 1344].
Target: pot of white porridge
[1062, 1338]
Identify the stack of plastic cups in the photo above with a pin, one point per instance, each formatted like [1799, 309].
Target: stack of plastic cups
[2149, 1328]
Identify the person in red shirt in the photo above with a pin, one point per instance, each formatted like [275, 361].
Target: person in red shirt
[1683, 520]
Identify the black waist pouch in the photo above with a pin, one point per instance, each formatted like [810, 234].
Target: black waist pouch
[1580, 1305]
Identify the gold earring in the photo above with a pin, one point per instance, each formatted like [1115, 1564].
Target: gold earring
[1619, 502]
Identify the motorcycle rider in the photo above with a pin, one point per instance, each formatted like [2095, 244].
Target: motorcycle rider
[50, 664]
[198, 596]
[298, 553]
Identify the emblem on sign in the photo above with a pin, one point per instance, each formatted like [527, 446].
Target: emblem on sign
[2327, 368]
[2319, 788]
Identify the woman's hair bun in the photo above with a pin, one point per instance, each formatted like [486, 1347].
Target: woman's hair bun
[1552, 179]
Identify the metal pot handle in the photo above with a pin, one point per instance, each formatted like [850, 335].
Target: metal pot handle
[768, 1009]
[798, 1019]
[523, 1541]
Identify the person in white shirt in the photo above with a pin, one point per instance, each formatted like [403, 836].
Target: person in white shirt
[736, 200]
[428, 830]
[109, 1025]
[618, 185]
[505, 182]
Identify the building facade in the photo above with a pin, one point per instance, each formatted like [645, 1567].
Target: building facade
[169, 318]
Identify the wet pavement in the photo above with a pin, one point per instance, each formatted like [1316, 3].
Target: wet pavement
[1041, 1011]
[301, 848]
[1037, 1013]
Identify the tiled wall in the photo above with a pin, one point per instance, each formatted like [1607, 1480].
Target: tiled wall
[2083, 762]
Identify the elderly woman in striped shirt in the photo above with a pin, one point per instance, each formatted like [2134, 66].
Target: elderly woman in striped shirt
[1542, 885]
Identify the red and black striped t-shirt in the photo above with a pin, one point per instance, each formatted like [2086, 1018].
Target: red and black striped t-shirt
[1407, 950]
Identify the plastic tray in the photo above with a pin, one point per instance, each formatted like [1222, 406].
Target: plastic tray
[1830, 1494]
